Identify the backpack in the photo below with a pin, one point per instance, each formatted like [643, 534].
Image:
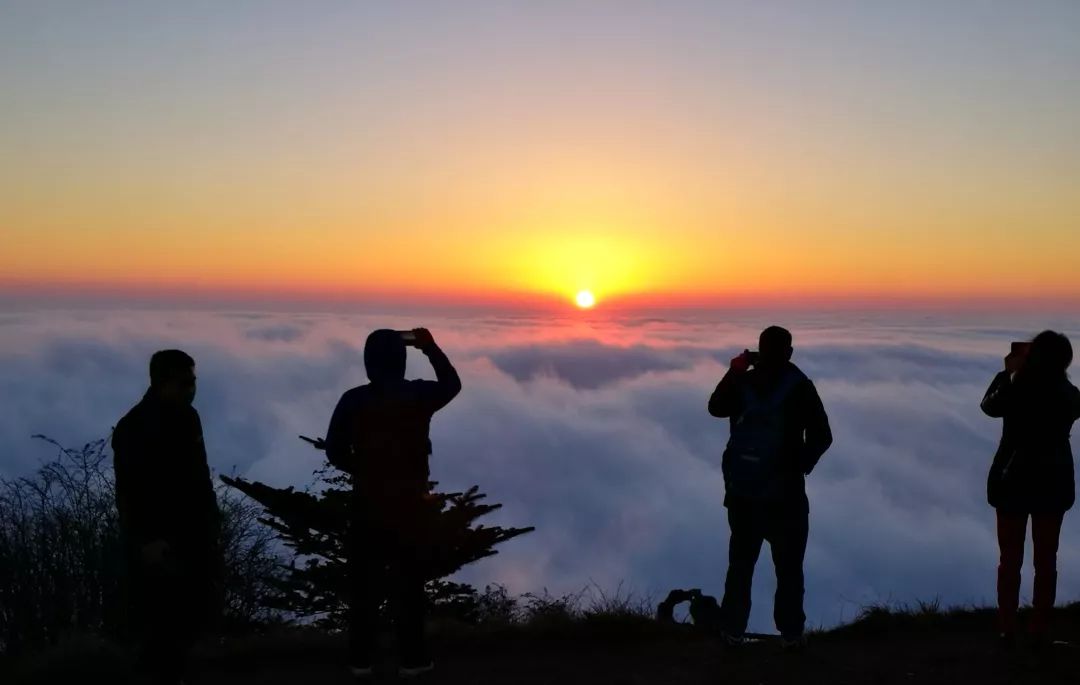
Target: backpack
[753, 460]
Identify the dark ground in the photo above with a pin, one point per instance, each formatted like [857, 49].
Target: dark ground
[883, 647]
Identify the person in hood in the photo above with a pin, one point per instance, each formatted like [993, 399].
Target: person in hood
[779, 431]
[169, 517]
[379, 433]
[1032, 475]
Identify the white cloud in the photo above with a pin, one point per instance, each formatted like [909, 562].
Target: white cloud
[594, 432]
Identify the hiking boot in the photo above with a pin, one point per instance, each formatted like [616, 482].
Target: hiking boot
[415, 668]
[793, 643]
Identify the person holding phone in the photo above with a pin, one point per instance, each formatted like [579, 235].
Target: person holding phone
[1032, 474]
[379, 434]
[779, 431]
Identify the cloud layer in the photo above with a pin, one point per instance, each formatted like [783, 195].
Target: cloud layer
[595, 431]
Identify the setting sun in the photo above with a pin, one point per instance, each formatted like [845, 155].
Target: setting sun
[585, 299]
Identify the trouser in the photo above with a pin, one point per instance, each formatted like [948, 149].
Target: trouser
[1011, 531]
[388, 566]
[172, 604]
[786, 529]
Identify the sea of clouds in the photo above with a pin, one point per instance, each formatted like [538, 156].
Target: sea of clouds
[593, 429]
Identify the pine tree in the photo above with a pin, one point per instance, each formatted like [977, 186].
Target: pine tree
[314, 526]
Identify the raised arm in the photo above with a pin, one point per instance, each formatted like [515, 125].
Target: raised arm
[818, 434]
[726, 399]
[998, 397]
[447, 382]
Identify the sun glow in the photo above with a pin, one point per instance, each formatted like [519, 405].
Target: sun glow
[585, 299]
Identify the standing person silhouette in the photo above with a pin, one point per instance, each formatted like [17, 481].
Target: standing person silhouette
[779, 431]
[169, 517]
[1032, 474]
[379, 434]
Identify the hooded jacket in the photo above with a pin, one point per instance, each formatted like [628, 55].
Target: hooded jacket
[379, 432]
[1032, 471]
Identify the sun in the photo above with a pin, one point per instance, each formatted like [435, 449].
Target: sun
[585, 299]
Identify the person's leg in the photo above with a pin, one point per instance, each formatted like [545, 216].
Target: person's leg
[163, 618]
[787, 539]
[1045, 532]
[411, 570]
[410, 613]
[366, 570]
[1011, 530]
[744, 548]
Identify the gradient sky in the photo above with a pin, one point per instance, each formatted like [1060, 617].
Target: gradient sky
[670, 150]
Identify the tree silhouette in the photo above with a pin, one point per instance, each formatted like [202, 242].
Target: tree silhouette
[314, 526]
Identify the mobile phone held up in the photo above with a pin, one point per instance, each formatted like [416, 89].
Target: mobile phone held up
[1020, 349]
[408, 337]
[753, 357]
[1018, 354]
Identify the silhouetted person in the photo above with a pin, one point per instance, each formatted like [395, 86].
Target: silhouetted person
[1032, 472]
[168, 516]
[779, 430]
[379, 434]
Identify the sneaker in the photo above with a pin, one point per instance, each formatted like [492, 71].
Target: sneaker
[793, 643]
[1038, 641]
[417, 668]
[1006, 641]
[362, 672]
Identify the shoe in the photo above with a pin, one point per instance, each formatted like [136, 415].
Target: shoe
[362, 672]
[731, 640]
[414, 669]
[793, 643]
[1038, 641]
[1006, 641]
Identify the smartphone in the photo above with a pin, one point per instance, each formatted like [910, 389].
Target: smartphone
[408, 336]
[753, 356]
[1020, 349]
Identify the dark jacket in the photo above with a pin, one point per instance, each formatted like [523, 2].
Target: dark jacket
[806, 424]
[163, 486]
[379, 432]
[1032, 471]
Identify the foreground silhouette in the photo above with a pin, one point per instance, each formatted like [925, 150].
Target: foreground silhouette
[169, 516]
[315, 523]
[1032, 474]
[779, 431]
[379, 434]
[921, 647]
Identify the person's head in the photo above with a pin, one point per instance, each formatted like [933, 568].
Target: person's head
[384, 356]
[1050, 355]
[172, 376]
[774, 348]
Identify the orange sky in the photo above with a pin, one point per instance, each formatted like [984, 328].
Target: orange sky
[466, 166]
